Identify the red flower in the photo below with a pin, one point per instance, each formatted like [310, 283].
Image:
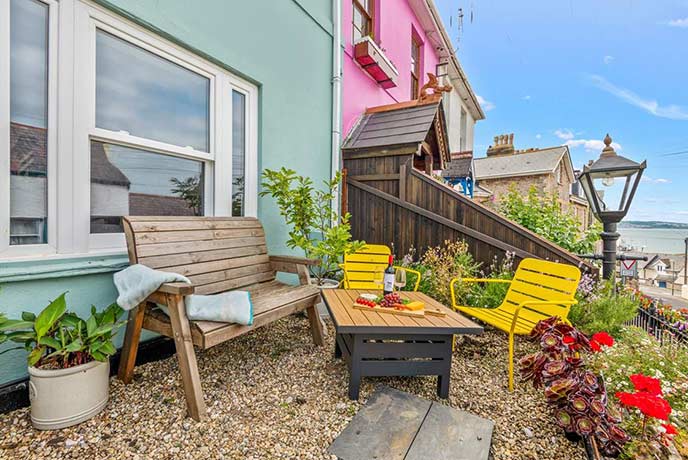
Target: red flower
[603, 339]
[595, 346]
[670, 429]
[644, 383]
[648, 403]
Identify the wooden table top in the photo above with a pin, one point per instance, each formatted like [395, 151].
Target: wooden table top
[349, 320]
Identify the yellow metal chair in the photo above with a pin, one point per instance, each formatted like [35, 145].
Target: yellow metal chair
[362, 267]
[540, 289]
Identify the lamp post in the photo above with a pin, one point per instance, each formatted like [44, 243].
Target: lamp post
[685, 263]
[597, 179]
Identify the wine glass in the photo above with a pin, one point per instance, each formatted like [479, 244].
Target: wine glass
[399, 279]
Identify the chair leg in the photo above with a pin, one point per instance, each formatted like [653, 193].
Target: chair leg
[511, 362]
[188, 366]
[130, 346]
[316, 325]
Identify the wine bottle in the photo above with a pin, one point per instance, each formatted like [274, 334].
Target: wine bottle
[388, 280]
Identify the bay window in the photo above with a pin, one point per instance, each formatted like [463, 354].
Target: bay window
[134, 125]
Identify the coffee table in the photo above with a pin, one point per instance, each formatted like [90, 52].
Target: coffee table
[379, 344]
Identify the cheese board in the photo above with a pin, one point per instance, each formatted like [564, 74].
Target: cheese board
[390, 311]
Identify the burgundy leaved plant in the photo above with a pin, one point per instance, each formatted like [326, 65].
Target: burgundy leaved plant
[578, 396]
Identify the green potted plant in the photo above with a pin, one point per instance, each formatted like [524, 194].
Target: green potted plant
[68, 359]
[315, 225]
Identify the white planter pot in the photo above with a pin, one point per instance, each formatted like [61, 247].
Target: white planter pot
[65, 397]
[327, 284]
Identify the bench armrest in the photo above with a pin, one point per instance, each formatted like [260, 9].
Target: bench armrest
[294, 260]
[176, 288]
[471, 280]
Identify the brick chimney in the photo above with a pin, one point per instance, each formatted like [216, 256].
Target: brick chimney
[461, 155]
[503, 145]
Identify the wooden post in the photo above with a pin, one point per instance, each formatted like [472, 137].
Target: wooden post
[345, 192]
[402, 182]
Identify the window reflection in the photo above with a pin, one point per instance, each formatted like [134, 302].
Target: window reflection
[127, 181]
[238, 153]
[28, 122]
[148, 96]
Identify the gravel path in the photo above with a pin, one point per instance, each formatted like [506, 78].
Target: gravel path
[272, 394]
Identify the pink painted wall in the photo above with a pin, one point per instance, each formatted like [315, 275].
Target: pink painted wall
[395, 24]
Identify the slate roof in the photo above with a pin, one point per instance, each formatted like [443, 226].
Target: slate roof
[28, 150]
[146, 204]
[458, 167]
[104, 172]
[402, 126]
[519, 164]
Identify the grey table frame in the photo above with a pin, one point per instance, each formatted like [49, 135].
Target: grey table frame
[377, 351]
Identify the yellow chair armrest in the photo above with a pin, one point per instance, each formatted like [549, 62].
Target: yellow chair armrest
[471, 280]
[528, 303]
[415, 272]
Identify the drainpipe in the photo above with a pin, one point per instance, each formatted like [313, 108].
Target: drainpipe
[336, 89]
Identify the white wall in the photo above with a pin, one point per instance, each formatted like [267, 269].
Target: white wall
[28, 197]
[109, 200]
[452, 107]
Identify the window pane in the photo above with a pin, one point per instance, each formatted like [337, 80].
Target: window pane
[127, 181]
[148, 96]
[28, 122]
[238, 153]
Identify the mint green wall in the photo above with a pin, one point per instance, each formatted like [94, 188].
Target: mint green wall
[283, 46]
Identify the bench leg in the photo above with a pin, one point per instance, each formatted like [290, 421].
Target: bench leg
[188, 366]
[316, 325]
[130, 346]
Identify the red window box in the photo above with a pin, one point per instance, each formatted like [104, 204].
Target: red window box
[373, 61]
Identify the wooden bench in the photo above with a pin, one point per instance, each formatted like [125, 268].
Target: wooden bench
[217, 254]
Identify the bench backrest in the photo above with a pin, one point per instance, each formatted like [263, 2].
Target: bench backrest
[537, 279]
[362, 267]
[217, 254]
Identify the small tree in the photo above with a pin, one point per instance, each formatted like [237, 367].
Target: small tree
[542, 215]
[190, 191]
[316, 227]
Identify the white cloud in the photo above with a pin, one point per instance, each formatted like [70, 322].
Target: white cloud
[681, 22]
[590, 145]
[565, 134]
[486, 105]
[650, 180]
[538, 136]
[526, 98]
[672, 111]
[608, 59]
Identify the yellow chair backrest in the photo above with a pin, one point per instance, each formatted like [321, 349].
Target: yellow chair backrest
[542, 280]
[360, 267]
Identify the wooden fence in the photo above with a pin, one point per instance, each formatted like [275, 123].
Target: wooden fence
[392, 202]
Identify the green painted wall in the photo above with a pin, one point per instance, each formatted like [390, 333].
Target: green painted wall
[285, 47]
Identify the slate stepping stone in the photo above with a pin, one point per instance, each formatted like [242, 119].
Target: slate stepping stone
[395, 425]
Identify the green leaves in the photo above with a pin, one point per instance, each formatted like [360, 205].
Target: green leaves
[61, 338]
[49, 316]
[315, 226]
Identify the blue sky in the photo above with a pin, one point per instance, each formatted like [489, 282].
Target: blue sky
[563, 71]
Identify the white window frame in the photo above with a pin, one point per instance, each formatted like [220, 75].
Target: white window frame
[73, 24]
[7, 250]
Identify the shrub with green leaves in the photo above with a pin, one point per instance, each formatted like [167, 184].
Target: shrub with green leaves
[604, 309]
[59, 339]
[491, 295]
[315, 225]
[543, 215]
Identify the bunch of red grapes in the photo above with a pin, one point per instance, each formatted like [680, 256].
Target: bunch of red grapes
[389, 300]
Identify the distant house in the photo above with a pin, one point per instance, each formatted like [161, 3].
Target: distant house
[549, 170]
[459, 173]
[663, 271]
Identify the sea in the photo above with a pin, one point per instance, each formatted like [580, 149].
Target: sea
[654, 240]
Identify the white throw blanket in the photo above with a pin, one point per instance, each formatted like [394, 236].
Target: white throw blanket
[137, 282]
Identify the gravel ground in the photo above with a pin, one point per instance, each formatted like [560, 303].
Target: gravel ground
[272, 394]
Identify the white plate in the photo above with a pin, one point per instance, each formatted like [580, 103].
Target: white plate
[370, 297]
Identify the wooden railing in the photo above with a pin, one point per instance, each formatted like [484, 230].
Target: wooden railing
[399, 204]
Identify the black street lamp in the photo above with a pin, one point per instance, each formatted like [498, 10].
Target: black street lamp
[604, 173]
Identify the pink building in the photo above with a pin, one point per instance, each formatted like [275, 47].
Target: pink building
[389, 47]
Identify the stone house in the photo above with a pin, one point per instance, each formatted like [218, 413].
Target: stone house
[549, 170]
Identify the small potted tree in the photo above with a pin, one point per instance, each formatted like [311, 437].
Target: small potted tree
[315, 225]
[68, 359]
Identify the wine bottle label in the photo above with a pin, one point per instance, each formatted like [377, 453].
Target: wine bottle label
[388, 282]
